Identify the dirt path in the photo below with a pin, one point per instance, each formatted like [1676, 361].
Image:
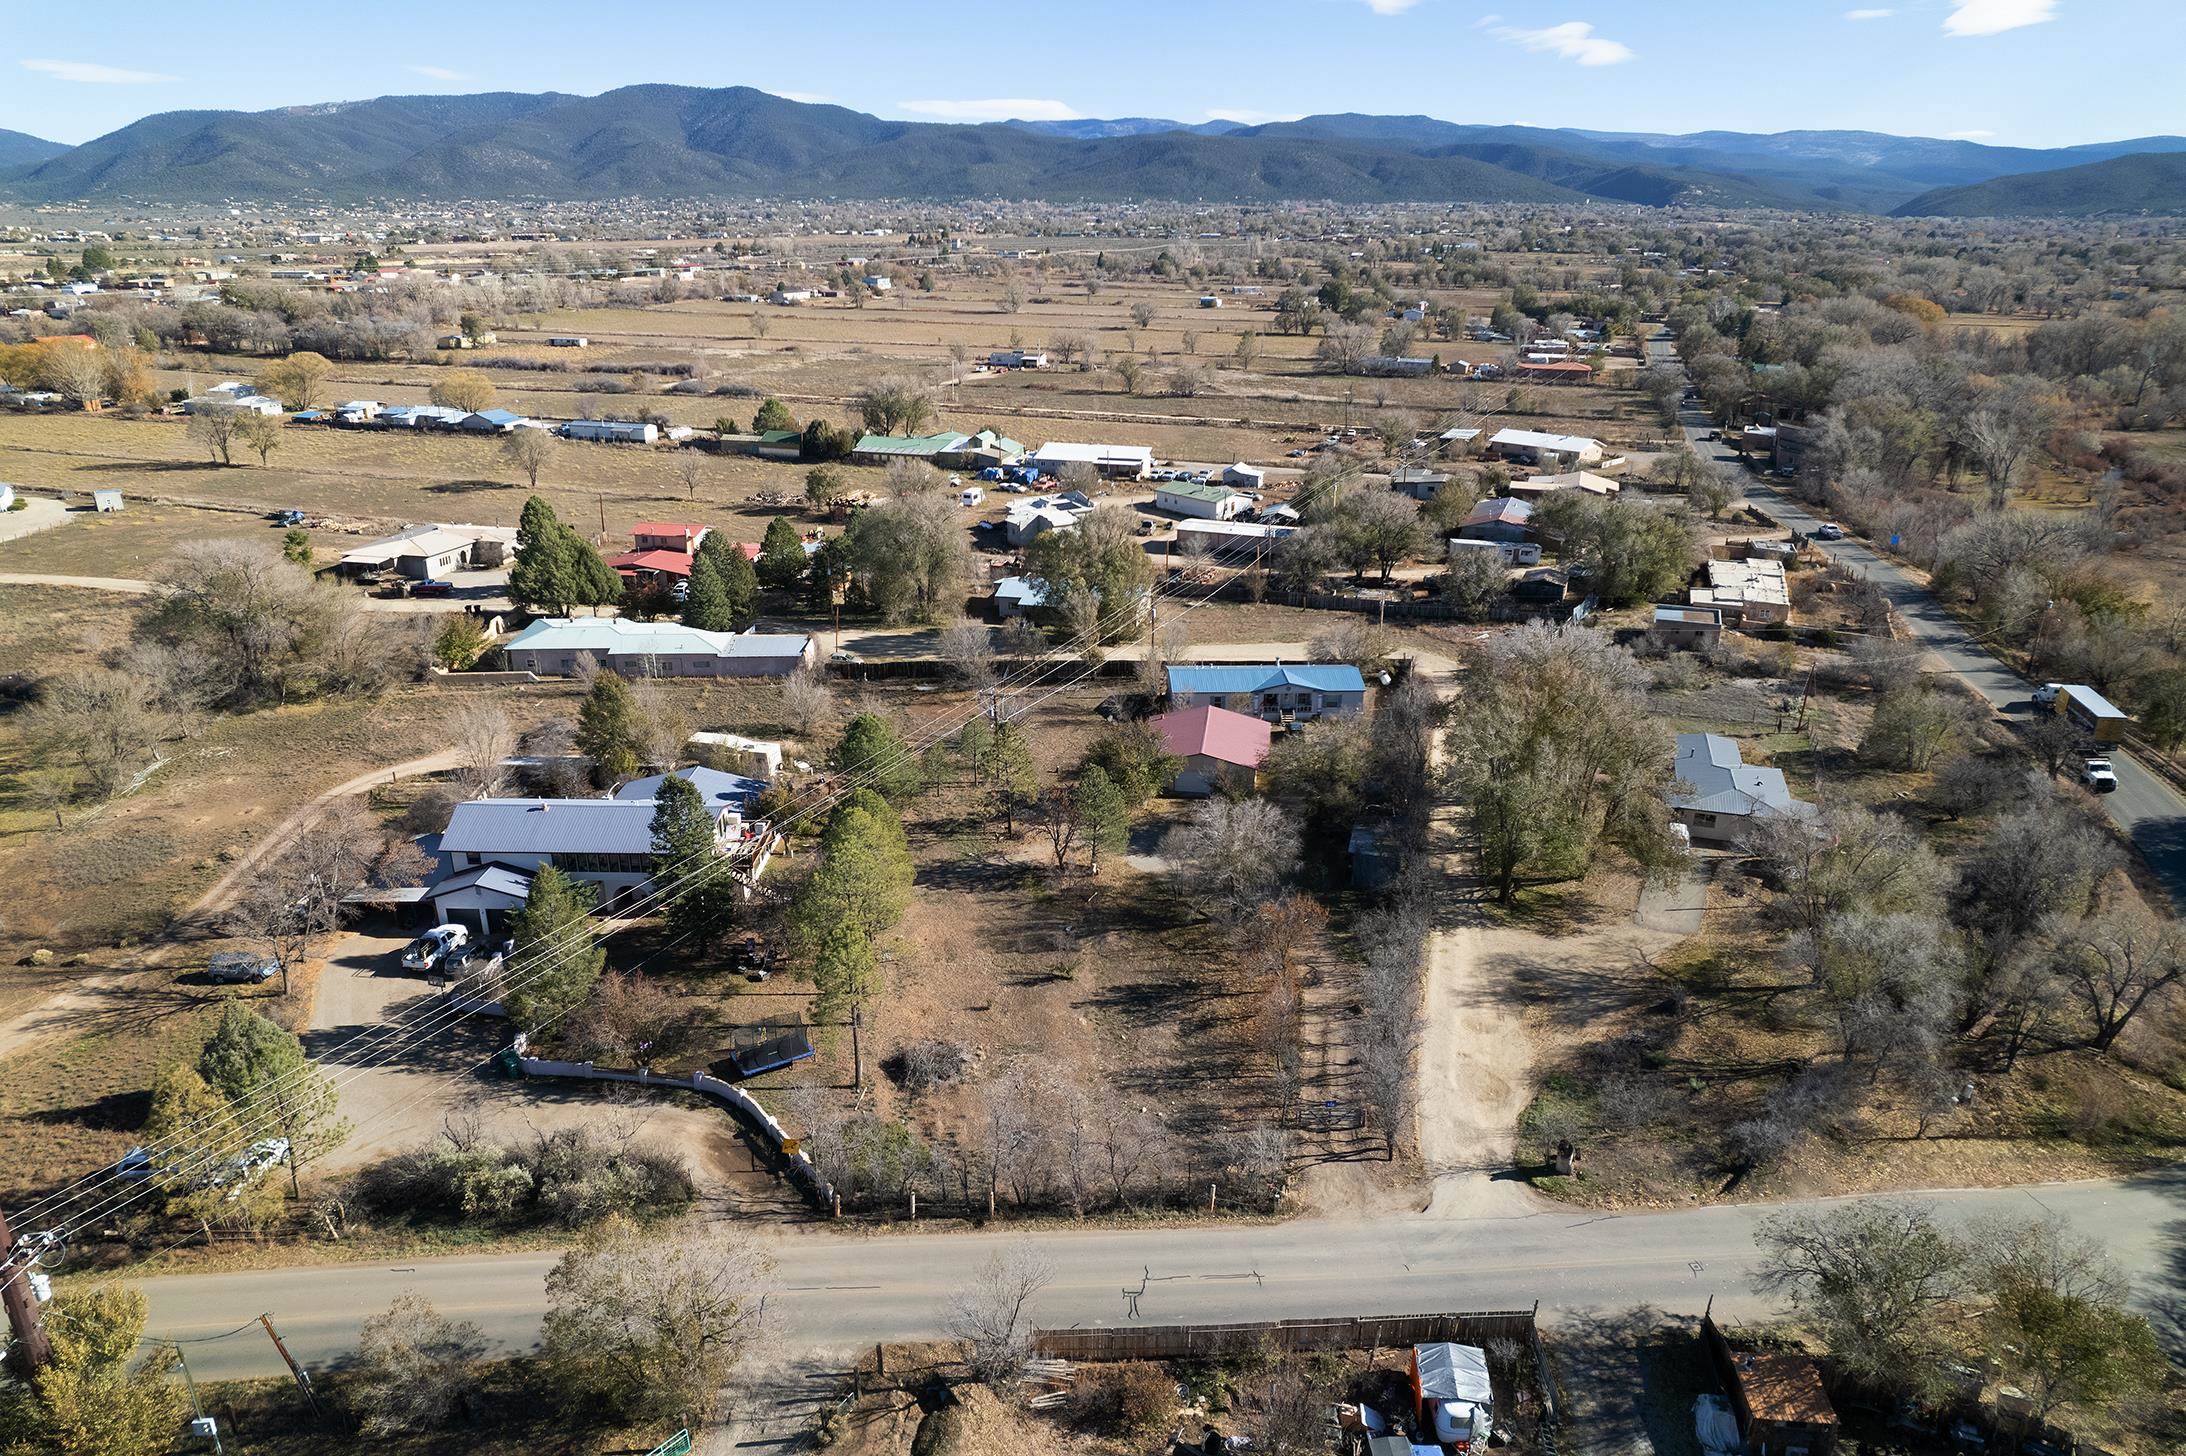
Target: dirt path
[224, 888]
[126, 584]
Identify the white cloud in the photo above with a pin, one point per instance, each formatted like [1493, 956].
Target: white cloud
[1246, 116]
[1993, 17]
[1970, 134]
[1869, 14]
[1574, 40]
[1390, 7]
[1002, 108]
[809, 98]
[92, 74]
[439, 73]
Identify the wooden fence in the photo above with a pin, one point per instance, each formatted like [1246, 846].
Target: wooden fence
[1364, 1332]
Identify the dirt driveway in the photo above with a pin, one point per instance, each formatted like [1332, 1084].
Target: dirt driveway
[400, 1095]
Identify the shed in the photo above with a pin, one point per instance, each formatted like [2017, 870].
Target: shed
[1697, 628]
[106, 500]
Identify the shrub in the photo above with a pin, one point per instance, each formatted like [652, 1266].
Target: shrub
[1131, 1399]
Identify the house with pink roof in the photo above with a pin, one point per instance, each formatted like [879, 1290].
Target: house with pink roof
[1219, 750]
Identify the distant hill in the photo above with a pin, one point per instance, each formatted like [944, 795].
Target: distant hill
[657, 141]
[17, 148]
[2131, 184]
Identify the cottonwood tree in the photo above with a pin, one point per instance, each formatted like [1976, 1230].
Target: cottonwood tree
[213, 426]
[2055, 1319]
[297, 379]
[1102, 559]
[484, 739]
[893, 406]
[1889, 979]
[1915, 723]
[633, 1021]
[808, 703]
[464, 389]
[1843, 857]
[2040, 866]
[528, 452]
[968, 648]
[651, 1325]
[415, 1368]
[1876, 1280]
[1557, 754]
[107, 724]
[909, 556]
[1234, 853]
[259, 434]
[2115, 964]
[992, 1315]
[297, 895]
[102, 1393]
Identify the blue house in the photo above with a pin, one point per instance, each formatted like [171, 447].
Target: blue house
[1271, 690]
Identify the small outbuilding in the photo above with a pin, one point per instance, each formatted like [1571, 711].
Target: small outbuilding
[1216, 748]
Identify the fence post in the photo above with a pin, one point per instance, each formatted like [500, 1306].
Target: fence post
[1210, 1198]
[914, 1205]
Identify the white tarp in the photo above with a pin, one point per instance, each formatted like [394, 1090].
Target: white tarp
[1454, 1372]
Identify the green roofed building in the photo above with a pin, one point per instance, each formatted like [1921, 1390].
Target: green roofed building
[880, 449]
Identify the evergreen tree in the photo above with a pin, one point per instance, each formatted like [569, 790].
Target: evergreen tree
[1135, 760]
[739, 583]
[1104, 818]
[262, 1071]
[706, 606]
[877, 755]
[827, 569]
[865, 873]
[593, 583]
[102, 1395]
[842, 970]
[1011, 774]
[608, 729]
[688, 866]
[558, 959]
[773, 415]
[781, 555]
[539, 574]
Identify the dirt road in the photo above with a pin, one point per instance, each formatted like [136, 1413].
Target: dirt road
[127, 585]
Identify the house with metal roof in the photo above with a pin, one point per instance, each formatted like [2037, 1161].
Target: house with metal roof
[432, 551]
[1124, 462]
[1215, 749]
[1697, 628]
[611, 432]
[1718, 794]
[716, 790]
[1269, 690]
[1201, 502]
[492, 422]
[1499, 518]
[880, 449]
[1018, 596]
[1535, 447]
[552, 645]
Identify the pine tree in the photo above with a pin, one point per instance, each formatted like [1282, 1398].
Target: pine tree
[688, 867]
[1104, 818]
[262, 1071]
[706, 607]
[865, 873]
[739, 583]
[842, 970]
[781, 555]
[1011, 774]
[608, 728]
[539, 573]
[773, 415]
[558, 959]
[592, 582]
[876, 754]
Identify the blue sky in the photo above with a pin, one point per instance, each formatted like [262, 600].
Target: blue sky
[2016, 72]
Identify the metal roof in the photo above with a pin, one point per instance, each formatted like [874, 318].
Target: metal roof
[621, 637]
[1191, 490]
[1722, 782]
[909, 445]
[1216, 733]
[1320, 677]
[716, 789]
[550, 826]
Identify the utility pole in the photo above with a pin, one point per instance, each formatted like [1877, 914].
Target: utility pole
[33, 1349]
[857, 1048]
[203, 1423]
[303, 1378]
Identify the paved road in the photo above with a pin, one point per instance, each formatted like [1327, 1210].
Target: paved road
[837, 1291]
[2149, 810]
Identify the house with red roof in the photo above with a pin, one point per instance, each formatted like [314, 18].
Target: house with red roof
[667, 536]
[663, 551]
[1219, 749]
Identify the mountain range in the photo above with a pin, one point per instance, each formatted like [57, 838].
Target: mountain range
[657, 141]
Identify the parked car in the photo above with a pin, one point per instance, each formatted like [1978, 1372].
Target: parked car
[434, 946]
[844, 654]
[2098, 776]
[2045, 696]
[1713, 435]
[242, 968]
[288, 518]
[1829, 531]
[479, 960]
[433, 589]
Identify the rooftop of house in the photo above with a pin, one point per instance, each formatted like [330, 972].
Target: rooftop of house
[1217, 733]
[549, 826]
[1667, 613]
[716, 789]
[1720, 781]
[1500, 508]
[1225, 678]
[1066, 451]
[1189, 490]
[1025, 590]
[686, 530]
[1537, 440]
[429, 539]
[619, 636]
[671, 563]
[909, 444]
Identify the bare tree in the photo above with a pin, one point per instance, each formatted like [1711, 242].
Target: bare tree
[808, 703]
[968, 647]
[415, 1368]
[213, 426]
[2116, 963]
[297, 895]
[1234, 853]
[993, 1315]
[484, 738]
[528, 451]
[106, 723]
[691, 470]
